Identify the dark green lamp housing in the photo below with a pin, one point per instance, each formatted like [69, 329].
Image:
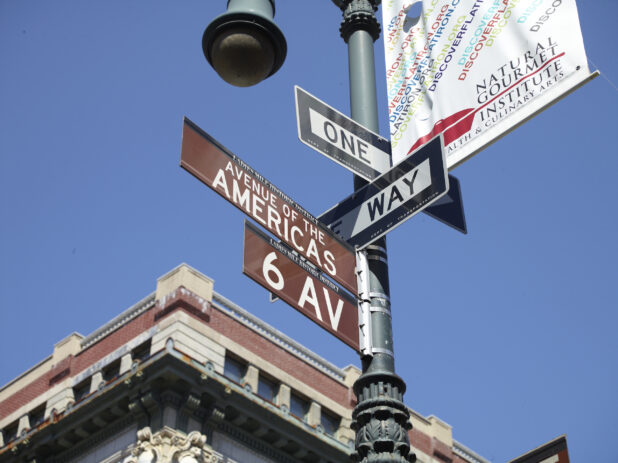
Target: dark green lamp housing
[244, 45]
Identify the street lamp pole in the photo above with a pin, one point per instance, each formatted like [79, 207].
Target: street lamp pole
[245, 46]
[381, 420]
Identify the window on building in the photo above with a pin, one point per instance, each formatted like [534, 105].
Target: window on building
[35, 417]
[81, 390]
[141, 352]
[299, 406]
[111, 371]
[234, 369]
[10, 432]
[267, 389]
[330, 422]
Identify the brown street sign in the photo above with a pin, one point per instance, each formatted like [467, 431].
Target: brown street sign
[275, 267]
[234, 180]
[555, 451]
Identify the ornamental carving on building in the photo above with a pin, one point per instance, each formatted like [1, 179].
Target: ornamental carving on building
[171, 446]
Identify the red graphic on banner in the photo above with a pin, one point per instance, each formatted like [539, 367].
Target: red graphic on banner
[460, 128]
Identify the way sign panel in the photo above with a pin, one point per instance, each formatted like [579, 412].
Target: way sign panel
[279, 270]
[392, 198]
[341, 139]
[449, 208]
[234, 180]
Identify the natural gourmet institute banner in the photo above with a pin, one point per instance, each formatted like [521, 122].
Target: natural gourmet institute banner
[475, 69]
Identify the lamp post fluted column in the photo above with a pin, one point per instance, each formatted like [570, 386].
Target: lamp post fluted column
[380, 419]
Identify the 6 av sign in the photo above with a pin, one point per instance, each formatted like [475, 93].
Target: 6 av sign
[279, 270]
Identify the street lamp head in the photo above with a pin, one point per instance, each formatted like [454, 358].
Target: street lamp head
[244, 45]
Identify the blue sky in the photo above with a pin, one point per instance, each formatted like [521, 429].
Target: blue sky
[508, 333]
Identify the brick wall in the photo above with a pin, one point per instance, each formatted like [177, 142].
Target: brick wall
[282, 359]
[73, 365]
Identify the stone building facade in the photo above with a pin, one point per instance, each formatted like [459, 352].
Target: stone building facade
[187, 376]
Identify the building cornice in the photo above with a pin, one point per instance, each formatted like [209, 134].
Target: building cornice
[467, 454]
[117, 322]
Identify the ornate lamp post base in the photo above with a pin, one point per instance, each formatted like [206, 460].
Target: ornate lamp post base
[381, 420]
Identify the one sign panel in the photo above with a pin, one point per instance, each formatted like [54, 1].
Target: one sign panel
[474, 70]
[392, 198]
[235, 181]
[279, 270]
[555, 451]
[338, 137]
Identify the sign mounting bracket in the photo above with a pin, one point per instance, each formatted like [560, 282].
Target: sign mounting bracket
[364, 304]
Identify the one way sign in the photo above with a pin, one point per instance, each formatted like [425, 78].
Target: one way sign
[392, 198]
[362, 151]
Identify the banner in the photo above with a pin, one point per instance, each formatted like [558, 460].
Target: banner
[474, 70]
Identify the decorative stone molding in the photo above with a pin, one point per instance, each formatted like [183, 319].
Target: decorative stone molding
[314, 415]
[183, 275]
[119, 321]
[70, 345]
[251, 378]
[24, 425]
[171, 446]
[126, 362]
[283, 396]
[96, 382]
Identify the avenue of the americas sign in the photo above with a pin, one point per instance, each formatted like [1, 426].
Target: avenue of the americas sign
[234, 180]
[278, 269]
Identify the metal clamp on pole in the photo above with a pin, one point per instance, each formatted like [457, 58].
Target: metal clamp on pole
[381, 350]
[384, 310]
[377, 253]
[364, 304]
[376, 295]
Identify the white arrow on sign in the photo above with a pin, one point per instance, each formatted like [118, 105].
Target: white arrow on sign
[384, 201]
[339, 138]
[392, 198]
